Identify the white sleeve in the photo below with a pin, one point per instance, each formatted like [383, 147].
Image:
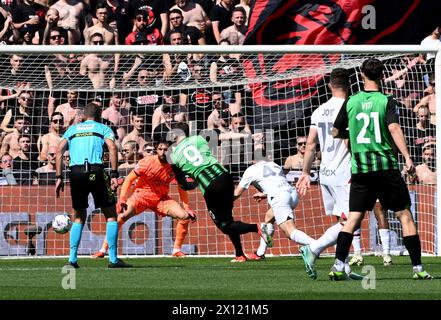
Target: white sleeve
[314, 119]
[247, 179]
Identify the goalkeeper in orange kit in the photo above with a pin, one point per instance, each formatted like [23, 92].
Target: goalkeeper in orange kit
[153, 176]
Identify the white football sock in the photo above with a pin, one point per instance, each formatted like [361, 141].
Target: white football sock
[270, 228]
[329, 238]
[347, 267]
[356, 241]
[262, 246]
[340, 265]
[300, 237]
[385, 240]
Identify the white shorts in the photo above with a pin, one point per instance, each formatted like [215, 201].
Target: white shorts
[283, 205]
[336, 199]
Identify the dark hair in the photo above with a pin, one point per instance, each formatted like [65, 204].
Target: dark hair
[97, 34]
[173, 32]
[142, 12]
[372, 69]
[137, 113]
[100, 5]
[25, 136]
[238, 115]
[161, 140]
[168, 108]
[181, 127]
[57, 114]
[175, 11]
[225, 40]
[239, 9]
[23, 117]
[339, 78]
[92, 110]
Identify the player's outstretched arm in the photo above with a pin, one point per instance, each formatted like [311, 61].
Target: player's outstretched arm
[128, 181]
[304, 181]
[182, 180]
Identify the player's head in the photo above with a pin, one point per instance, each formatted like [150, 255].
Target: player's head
[372, 69]
[161, 149]
[339, 79]
[181, 128]
[149, 149]
[92, 112]
[178, 132]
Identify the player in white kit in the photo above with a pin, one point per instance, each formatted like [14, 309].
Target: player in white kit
[335, 169]
[269, 179]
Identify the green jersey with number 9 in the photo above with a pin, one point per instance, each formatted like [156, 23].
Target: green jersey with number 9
[192, 155]
[367, 114]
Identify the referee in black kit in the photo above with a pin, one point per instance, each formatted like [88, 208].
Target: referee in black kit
[85, 142]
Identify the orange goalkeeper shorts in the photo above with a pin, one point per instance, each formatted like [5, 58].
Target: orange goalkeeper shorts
[150, 201]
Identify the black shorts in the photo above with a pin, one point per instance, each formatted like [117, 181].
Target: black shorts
[219, 197]
[387, 186]
[96, 182]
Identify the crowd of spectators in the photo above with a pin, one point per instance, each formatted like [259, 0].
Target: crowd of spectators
[141, 108]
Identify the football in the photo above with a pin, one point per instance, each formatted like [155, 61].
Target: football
[61, 223]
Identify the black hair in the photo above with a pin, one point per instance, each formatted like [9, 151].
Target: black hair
[100, 5]
[239, 9]
[373, 69]
[339, 78]
[57, 114]
[181, 127]
[178, 11]
[161, 140]
[97, 34]
[92, 110]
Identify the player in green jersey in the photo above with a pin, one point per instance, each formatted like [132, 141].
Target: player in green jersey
[374, 135]
[192, 155]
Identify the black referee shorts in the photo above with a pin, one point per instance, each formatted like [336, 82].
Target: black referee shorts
[96, 182]
[387, 186]
[219, 197]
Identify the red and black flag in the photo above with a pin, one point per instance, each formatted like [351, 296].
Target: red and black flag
[300, 22]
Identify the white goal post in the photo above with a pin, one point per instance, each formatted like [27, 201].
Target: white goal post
[274, 88]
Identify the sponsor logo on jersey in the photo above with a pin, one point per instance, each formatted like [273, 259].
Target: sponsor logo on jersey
[327, 172]
[85, 127]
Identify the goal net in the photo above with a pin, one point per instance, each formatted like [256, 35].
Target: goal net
[249, 104]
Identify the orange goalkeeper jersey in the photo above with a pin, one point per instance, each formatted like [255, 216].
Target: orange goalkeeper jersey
[154, 176]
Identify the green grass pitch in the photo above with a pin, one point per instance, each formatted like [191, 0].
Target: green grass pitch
[281, 278]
